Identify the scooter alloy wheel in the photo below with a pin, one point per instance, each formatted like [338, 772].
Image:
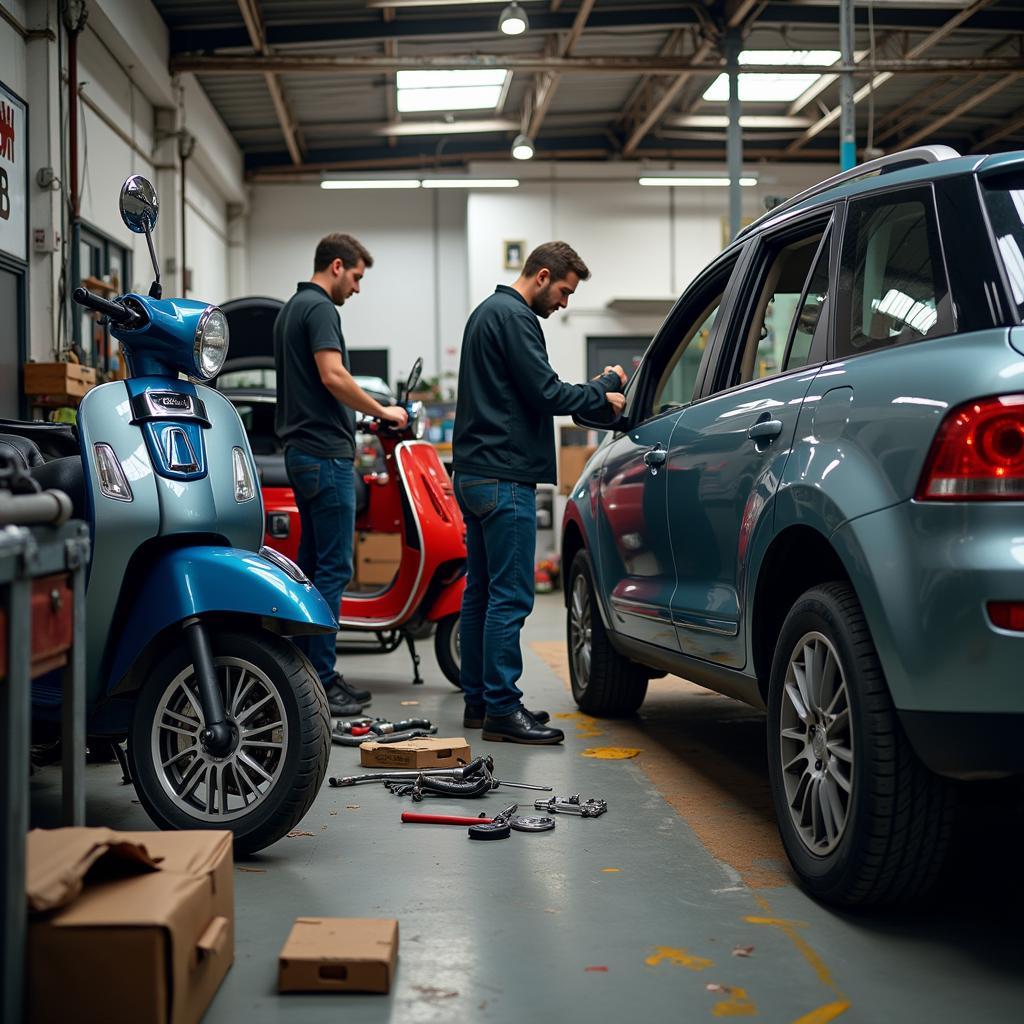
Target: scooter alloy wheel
[448, 650]
[278, 715]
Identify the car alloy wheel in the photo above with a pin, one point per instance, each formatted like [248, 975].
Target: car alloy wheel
[580, 632]
[816, 745]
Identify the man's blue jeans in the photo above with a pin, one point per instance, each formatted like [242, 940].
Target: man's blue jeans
[501, 540]
[326, 497]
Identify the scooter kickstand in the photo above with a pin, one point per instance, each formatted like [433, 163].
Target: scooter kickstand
[417, 678]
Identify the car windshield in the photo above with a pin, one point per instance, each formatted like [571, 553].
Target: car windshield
[1004, 197]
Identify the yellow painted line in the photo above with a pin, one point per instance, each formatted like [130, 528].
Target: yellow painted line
[610, 871]
[823, 1014]
[679, 957]
[611, 753]
[737, 1004]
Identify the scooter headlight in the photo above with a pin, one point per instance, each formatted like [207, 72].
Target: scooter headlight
[211, 344]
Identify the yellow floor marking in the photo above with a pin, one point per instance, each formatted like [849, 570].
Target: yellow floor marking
[611, 753]
[823, 1014]
[610, 871]
[586, 727]
[737, 1004]
[680, 957]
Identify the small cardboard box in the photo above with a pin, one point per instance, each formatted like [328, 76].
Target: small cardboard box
[428, 752]
[134, 926]
[339, 954]
[378, 556]
[71, 379]
[571, 460]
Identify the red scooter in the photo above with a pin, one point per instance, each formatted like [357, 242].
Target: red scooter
[412, 497]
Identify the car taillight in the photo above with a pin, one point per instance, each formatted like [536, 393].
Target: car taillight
[1007, 615]
[978, 454]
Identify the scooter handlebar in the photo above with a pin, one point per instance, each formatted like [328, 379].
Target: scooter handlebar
[117, 311]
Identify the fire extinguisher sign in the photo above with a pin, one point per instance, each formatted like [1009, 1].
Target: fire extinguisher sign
[13, 171]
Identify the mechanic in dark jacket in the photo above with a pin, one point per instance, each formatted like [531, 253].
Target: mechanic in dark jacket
[503, 446]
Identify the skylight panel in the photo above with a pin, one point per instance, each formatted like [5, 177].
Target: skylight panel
[771, 88]
[473, 89]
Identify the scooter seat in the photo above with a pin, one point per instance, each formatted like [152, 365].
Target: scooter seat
[53, 440]
[24, 453]
[65, 475]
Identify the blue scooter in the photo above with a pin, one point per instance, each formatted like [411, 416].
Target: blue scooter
[187, 616]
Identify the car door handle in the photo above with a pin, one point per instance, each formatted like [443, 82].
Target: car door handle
[655, 457]
[765, 430]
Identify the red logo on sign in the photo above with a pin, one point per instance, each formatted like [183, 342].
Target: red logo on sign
[7, 132]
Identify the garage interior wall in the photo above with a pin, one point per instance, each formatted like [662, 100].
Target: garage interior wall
[130, 115]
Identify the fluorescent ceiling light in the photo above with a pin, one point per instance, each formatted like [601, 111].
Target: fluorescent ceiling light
[471, 89]
[513, 20]
[352, 183]
[696, 182]
[471, 183]
[771, 88]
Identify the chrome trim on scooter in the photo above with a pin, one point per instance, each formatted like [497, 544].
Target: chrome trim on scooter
[370, 624]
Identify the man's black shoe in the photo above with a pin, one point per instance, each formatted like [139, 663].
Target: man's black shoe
[520, 727]
[339, 686]
[473, 718]
[341, 705]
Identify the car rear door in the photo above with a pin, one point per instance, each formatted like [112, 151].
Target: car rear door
[727, 450]
[634, 543]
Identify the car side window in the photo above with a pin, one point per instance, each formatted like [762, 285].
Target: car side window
[679, 377]
[782, 303]
[809, 313]
[893, 283]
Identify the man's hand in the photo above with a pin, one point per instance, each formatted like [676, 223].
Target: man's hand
[395, 414]
[617, 400]
[616, 369]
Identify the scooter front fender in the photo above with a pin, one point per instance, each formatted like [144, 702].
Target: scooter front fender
[203, 580]
[449, 601]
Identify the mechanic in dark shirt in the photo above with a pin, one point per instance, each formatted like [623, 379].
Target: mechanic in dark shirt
[316, 396]
[503, 446]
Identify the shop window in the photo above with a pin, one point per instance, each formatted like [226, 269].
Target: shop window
[103, 266]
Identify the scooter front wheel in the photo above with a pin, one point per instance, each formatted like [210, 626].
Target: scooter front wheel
[447, 649]
[280, 723]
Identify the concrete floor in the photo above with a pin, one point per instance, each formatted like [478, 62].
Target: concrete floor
[639, 912]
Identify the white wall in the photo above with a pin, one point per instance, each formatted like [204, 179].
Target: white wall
[413, 300]
[12, 49]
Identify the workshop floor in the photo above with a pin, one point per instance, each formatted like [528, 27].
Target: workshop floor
[675, 905]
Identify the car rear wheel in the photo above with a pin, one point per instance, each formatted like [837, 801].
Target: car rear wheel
[862, 820]
[603, 681]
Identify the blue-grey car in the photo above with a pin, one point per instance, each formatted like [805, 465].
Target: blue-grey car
[814, 502]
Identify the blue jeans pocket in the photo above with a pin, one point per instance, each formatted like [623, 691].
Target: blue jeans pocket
[305, 478]
[479, 495]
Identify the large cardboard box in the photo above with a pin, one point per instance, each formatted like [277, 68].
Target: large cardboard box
[58, 379]
[571, 460]
[428, 752]
[377, 557]
[339, 954]
[127, 926]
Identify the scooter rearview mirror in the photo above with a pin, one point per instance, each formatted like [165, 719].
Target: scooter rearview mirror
[414, 377]
[139, 207]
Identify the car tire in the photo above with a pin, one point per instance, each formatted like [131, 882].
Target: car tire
[446, 649]
[604, 683]
[863, 821]
[265, 680]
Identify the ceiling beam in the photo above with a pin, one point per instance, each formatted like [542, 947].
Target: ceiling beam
[317, 64]
[816, 88]
[1011, 128]
[878, 80]
[961, 108]
[545, 87]
[257, 37]
[913, 112]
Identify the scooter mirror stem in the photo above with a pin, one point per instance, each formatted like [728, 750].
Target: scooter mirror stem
[156, 289]
[217, 736]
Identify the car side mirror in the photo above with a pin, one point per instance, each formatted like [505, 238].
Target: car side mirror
[607, 419]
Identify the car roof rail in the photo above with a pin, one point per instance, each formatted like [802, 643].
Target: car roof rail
[882, 165]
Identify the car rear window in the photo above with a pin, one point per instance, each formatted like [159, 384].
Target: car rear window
[1004, 197]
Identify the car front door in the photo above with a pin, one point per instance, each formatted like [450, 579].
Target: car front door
[634, 541]
[728, 449]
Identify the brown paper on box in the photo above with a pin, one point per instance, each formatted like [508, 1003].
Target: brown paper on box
[428, 752]
[339, 954]
[142, 929]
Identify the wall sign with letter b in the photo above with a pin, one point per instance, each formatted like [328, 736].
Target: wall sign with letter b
[13, 168]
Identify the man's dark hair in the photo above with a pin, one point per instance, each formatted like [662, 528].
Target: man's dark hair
[340, 247]
[559, 258]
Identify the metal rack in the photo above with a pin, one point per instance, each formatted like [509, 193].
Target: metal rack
[27, 555]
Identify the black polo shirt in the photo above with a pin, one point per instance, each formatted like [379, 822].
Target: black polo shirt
[509, 392]
[308, 416]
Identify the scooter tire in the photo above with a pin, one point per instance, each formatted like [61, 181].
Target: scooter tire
[446, 648]
[298, 775]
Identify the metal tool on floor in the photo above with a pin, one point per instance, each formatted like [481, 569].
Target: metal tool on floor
[357, 731]
[516, 822]
[572, 805]
[475, 767]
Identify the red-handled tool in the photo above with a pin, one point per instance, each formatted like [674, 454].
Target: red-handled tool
[443, 819]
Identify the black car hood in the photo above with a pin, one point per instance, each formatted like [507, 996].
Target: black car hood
[251, 323]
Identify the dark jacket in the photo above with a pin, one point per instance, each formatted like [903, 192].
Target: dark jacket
[508, 393]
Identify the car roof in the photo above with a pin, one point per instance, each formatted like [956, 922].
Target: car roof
[929, 163]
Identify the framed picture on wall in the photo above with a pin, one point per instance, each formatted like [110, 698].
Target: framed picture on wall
[514, 254]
